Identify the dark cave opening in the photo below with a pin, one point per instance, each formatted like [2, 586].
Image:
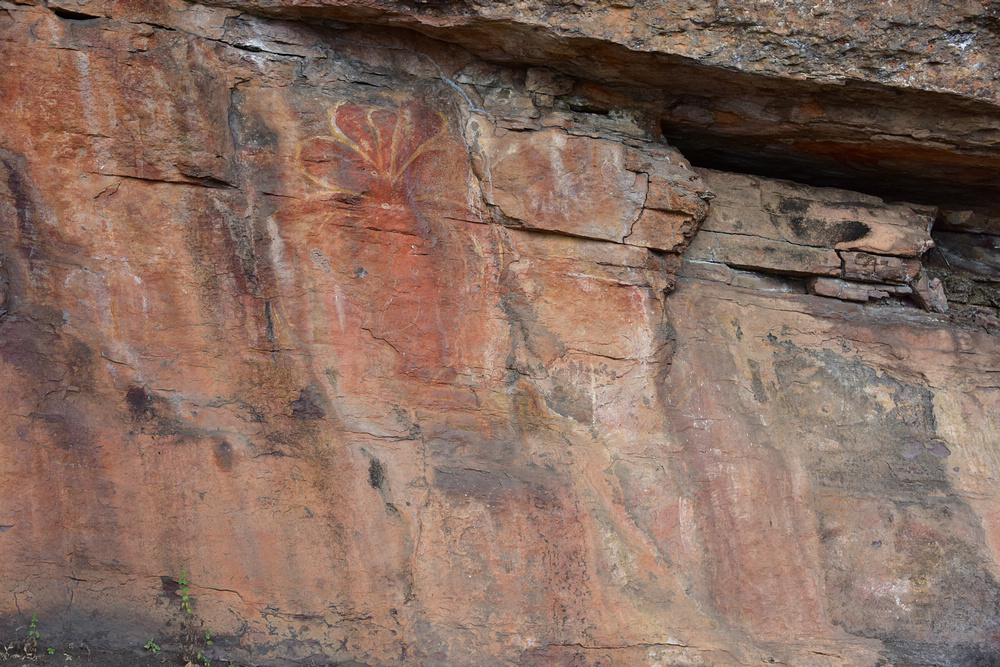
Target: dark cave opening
[891, 169]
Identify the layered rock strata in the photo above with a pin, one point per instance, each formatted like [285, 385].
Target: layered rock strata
[848, 245]
[409, 333]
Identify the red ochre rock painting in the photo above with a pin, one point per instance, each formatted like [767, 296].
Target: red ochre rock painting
[378, 249]
[260, 322]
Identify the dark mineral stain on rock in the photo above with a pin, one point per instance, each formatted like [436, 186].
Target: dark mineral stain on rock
[250, 129]
[918, 654]
[850, 231]
[22, 204]
[224, 455]
[5, 300]
[756, 384]
[938, 449]
[140, 402]
[169, 586]
[376, 474]
[65, 429]
[307, 406]
[911, 449]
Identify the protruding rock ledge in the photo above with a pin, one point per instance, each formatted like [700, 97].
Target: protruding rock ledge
[870, 268]
[848, 245]
[851, 291]
[818, 217]
[645, 194]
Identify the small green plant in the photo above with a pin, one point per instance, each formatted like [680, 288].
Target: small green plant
[208, 642]
[192, 627]
[51, 651]
[185, 593]
[31, 643]
[152, 646]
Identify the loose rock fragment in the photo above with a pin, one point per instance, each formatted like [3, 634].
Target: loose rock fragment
[929, 294]
[878, 268]
[852, 291]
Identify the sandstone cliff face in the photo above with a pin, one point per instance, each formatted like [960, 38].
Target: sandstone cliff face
[413, 335]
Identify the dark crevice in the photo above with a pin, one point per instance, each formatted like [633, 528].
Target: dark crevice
[967, 262]
[70, 15]
[200, 182]
[900, 145]
[589, 108]
[211, 182]
[246, 47]
[892, 173]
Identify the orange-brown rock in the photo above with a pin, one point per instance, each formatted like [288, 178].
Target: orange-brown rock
[876, 268]
[411, 352]
[754, 252]
[816, 217]
[881, 446]
[853, 291]
[589, 187]
[833, 93]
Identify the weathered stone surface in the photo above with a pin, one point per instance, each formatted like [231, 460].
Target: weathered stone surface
[590, 187]
[577, 185]
[339, 386]
[966, 262]
[676, 201]
[754, 252]
[970, 222]
[972, 254]
[144, 105]
[703, 270]
[929, 294]
[852, 291]
[934, 45]
[819, 217]
[879, 268]
[838, 94]
[842, 289]
[829, 236]
[797, 472]
[294, 339]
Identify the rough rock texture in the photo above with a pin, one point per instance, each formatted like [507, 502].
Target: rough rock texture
[850, 246]
[411, 334]
[921, 43]
[833, 93]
